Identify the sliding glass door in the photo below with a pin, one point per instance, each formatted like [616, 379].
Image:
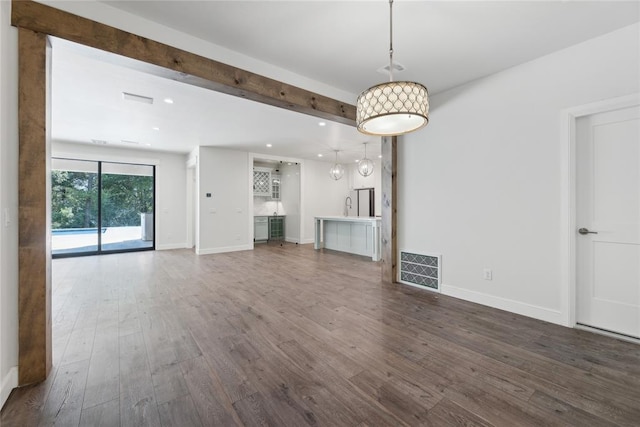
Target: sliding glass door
[101, 207]
[126, 206]
[74, 206]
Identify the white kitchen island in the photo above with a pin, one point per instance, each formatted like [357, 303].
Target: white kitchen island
[356, 235]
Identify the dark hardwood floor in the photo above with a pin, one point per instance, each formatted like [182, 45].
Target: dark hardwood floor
[289, 336]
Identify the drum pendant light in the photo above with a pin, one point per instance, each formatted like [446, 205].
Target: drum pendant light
[392, 108]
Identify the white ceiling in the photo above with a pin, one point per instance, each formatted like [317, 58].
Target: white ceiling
[88, 104]
[442, 44]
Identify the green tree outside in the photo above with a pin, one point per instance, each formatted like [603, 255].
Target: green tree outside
[74, 199]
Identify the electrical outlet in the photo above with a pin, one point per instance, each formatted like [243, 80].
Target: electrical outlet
[487, 274]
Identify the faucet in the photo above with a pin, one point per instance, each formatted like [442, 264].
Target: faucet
[347, 206]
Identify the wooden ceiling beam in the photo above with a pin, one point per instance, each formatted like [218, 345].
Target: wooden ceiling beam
[177, 64]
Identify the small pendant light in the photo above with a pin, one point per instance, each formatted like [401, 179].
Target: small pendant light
[365, 166]
[337, 170]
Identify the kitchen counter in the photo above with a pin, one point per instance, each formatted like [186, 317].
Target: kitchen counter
[356, 235]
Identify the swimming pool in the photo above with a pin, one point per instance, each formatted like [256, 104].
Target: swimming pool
[74, 231]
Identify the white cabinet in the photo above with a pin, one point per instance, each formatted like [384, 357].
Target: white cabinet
[359, 236]
[276, 188]
[260, 228]
[262, 182]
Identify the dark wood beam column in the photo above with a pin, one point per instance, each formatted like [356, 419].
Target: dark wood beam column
[34, 256]
[389, 209]
[178, 64]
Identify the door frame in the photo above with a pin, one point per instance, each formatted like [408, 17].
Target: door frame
[568, 190]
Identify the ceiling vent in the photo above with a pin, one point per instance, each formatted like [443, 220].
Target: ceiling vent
[137, 98]
[397, 68]
[124, 141]
[99, 142]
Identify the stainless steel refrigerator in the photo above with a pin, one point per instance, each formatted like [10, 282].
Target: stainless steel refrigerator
[362, 202]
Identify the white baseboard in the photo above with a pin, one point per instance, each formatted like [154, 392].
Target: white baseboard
[529, 310]
[307, 241]
[291, 240]
[9, 382]
[169, 246]
[225, 249]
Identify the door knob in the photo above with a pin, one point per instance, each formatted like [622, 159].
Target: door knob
[584, 231]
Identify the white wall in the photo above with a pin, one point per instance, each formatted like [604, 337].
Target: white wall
[171, 184]
[372, 181]
[481, 184]
[224, 218]
[322, 195]
[263, 206]
[8, 203]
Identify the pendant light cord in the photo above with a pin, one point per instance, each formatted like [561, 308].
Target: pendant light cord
[390, 40]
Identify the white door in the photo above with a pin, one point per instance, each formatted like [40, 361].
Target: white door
[608, 203]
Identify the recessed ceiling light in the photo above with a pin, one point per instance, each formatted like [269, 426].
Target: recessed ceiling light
[168, 100]
[155, 128]
[380, 156]
[269, 145]
[319, 155]
[148, 145]
[322, 124]
[357, 161]
[289, 163]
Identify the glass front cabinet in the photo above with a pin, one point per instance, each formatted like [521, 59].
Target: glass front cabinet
[275, 186]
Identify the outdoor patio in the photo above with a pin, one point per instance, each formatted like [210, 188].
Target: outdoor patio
[86, 240]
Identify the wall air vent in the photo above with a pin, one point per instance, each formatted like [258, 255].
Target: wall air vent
[99, 141]
[138, 98]
[421, 270]
[124, 141]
